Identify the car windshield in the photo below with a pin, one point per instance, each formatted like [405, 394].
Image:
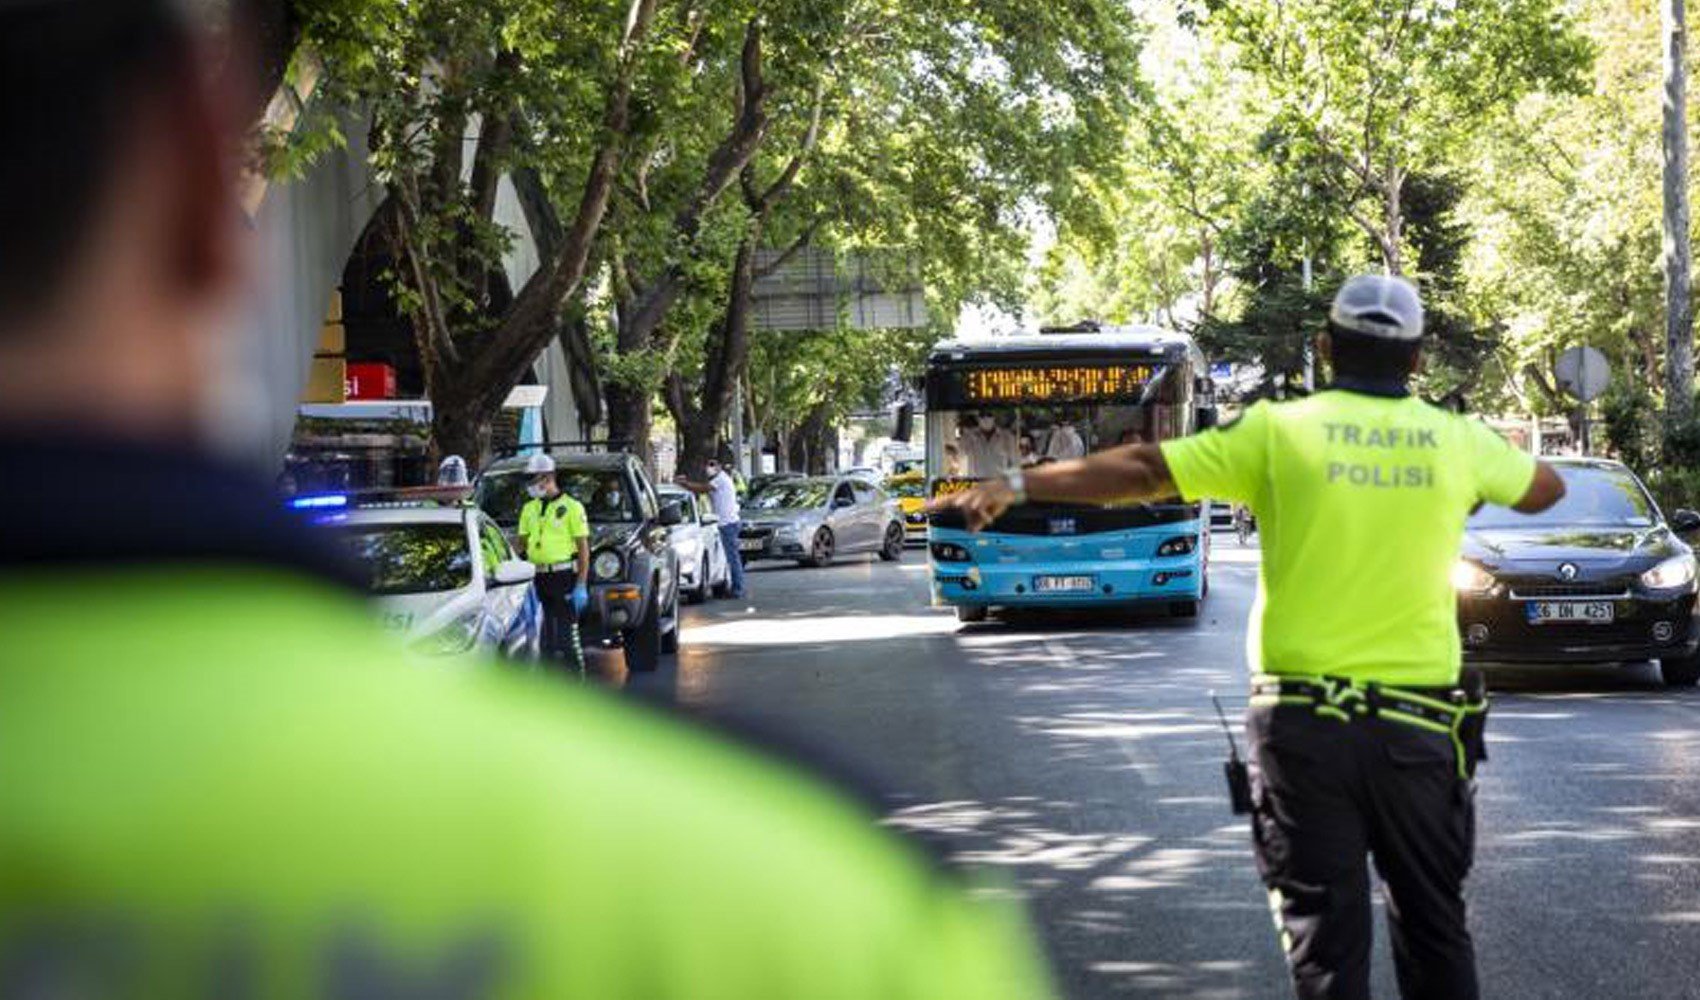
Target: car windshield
[410, 558]
[1593, 496]
[788, 494]
[910, 489]
[602, 491]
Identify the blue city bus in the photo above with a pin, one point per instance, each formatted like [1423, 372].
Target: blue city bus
[1029, 400]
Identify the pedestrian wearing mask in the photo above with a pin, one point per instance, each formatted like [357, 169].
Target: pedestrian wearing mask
[988, 448]
[722, 495]
[1064, 442]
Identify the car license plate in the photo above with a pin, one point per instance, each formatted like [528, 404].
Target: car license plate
[1063, 584]
[1569, 612]
[750, 545]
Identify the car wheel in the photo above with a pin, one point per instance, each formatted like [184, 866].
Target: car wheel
[893, 550]
[643, 644]
[971, 613]
[699, 593]
[723, 589]
[670, 638]
[1680, 671]
[820, 550]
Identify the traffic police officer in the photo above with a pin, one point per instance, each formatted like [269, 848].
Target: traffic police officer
[555, 536]
[229, 782]
[1365, 744]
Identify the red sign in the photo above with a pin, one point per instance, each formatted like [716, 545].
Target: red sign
[371, 380]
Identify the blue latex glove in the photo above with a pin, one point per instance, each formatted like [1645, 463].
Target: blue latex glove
[581, 598]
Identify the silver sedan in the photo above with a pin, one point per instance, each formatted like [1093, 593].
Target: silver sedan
[703, 569]
[814, 519]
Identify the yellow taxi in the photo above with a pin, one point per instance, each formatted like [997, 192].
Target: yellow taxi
[909, 489]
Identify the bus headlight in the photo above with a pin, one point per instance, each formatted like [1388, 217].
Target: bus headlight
[1178, 546]
[1469, 578]
[1677, 571]
[950, 552]
[606, 566]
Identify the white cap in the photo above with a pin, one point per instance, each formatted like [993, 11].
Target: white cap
[1376, 305]
[539, 464]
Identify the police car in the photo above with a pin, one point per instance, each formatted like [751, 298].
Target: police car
[442, 574]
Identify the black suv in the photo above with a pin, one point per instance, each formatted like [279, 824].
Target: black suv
[634, 572]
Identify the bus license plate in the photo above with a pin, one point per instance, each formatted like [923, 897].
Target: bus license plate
[1569, 612]
[1063, 584]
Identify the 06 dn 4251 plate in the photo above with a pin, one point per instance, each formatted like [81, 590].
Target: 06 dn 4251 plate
[1569, 612]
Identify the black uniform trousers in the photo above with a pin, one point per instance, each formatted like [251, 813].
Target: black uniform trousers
[1329, 794]
[560, 620]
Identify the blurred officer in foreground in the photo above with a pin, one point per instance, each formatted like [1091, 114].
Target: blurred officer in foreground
[1366, 742]
[217, 778]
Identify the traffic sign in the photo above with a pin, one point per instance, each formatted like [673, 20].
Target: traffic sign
[1582, 372]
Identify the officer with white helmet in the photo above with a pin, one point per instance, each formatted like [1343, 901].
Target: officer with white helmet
[555, 535]
[1365, 734]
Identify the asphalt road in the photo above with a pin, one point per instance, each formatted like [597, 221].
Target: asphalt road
[1080, 758]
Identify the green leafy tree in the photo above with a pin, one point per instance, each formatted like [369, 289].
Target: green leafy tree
[937, 132]
[1375, 93]
[461, 95]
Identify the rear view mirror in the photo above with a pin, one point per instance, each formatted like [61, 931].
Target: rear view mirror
[512, 572]
[671, 514]
[839, 503]
[710, 519]
[1685, 522]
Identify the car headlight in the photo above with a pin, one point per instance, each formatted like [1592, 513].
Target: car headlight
[606, 565]
[1470, 578]
[1677, 571]
[786, 532]
[452, 639]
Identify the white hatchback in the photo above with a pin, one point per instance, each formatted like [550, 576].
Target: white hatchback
[443, 577]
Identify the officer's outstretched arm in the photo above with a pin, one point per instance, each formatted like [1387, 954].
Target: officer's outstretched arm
[1546, 490]
[1127, 472]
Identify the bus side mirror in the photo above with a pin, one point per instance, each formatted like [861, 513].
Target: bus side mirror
[905, 423]
[1207, 417]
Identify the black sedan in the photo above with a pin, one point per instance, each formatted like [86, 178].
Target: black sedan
[1600, 577]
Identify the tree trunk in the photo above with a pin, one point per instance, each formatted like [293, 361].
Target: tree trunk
[630, 419]
[459, 429]
[1679, 316]
[698, 443]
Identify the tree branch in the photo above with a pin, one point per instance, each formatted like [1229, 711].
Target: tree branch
[791, 251]
[532, 319]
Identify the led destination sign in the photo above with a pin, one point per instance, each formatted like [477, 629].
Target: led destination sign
[1054, 384]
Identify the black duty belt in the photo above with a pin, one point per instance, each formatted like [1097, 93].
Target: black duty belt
[1452, 712]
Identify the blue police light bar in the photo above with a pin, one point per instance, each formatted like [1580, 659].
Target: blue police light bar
[319, 502]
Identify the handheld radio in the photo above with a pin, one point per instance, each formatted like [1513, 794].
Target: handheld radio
[1234, 769]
